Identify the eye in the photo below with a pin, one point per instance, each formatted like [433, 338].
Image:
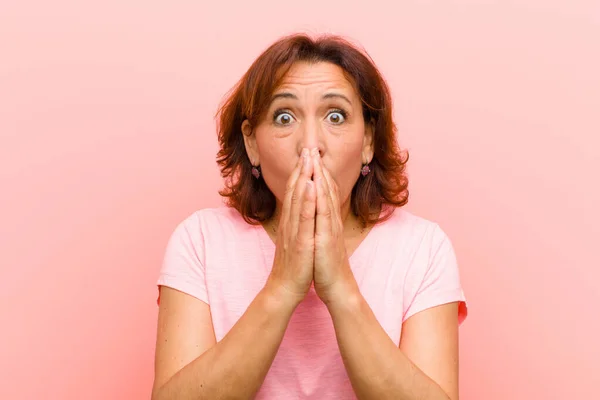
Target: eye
[336, 117]
[283, 118]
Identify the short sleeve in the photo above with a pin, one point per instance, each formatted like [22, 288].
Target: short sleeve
[183, 265]
[438, 282]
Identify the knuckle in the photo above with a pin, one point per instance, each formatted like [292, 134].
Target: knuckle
[305, 216]
[308, 210]
[295, 197]
[302, 245]
[309, 202]
[289, 189]
[323, 240]
[326, 212]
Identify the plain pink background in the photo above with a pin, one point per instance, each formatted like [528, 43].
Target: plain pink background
[108, 141]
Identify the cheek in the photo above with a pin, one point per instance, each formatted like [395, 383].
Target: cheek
[345, 169]
[277, 163]
[281, 165]
[346, 180]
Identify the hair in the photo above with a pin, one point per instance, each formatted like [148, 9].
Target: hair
[375, 195]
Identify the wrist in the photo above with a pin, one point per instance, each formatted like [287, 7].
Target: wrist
[342, 294]
[351, 303]
[279, 298]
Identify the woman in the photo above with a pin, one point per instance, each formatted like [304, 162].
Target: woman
[313, 282]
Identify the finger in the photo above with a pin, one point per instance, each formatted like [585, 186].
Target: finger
[324, 222]
[291, 184]
[306, 219]
[330, 188]
[333, 191]
[298, 194]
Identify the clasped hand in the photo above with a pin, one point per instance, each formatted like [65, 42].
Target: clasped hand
[310, 242]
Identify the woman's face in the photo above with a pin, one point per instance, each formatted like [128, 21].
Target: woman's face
[315, 107]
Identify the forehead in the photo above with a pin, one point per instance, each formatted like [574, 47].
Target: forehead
[317, 76]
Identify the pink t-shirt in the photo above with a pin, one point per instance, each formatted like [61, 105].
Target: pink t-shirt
[403, 266]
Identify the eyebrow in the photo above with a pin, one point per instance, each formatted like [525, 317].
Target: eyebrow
[288, 95]
[336, 96]
[284, 95]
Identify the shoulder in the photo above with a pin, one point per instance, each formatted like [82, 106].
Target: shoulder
[205, 227]
[216, 224]
[214, 218]
[432, 275]
[403, 224]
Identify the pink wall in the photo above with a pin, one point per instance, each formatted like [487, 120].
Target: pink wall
[107, 141]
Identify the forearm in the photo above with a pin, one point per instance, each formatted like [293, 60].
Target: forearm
[375, 365]
[236, 366]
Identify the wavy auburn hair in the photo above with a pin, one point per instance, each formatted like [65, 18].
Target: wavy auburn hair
[374, 196]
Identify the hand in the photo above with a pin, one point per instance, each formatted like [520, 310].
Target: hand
[292, 271]
[332, 273]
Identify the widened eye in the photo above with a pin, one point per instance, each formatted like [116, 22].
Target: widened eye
[336, 117]
[283, 118]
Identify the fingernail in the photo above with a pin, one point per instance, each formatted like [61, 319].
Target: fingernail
[307, 161]
[315, 151]
[304, 152]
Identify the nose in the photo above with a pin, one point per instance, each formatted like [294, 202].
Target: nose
[311, 136]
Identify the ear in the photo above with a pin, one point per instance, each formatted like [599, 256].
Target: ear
[250, 143]
[368, 142]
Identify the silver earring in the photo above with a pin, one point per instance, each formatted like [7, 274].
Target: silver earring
[256, 172]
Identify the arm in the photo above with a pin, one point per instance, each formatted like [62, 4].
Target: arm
[376, 367]
[190, 365]
[424, 367]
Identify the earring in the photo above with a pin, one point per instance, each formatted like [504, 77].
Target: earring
[256, 172]
[365, 170]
